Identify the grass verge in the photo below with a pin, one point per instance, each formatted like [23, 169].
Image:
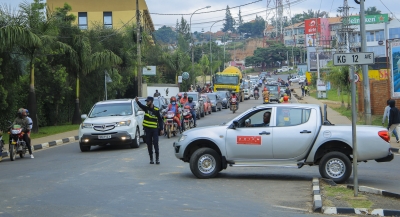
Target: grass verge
[342, 193]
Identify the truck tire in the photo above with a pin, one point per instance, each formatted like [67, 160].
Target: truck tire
[205, 163]
[336, 166]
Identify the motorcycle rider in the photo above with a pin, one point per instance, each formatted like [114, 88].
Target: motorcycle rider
[30, 122]
[174, 107]
[192, 106]
[265, 93]
[233, 96]
[258, 91]
[24, 123]
[285, 99]
[184, 100]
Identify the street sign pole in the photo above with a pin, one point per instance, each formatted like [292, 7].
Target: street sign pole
[354, 128]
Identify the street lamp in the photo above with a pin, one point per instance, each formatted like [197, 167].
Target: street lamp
[211, 51]
[193, 40]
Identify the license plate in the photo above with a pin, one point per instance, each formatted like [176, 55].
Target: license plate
[104, 137]
[13, 143]
[271, 95]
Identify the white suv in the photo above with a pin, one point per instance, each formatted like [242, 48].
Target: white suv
[117, 122]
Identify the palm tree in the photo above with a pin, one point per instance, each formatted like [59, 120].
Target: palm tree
[84, 61]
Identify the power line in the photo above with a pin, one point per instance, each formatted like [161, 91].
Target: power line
[207, 11]
[389, 10]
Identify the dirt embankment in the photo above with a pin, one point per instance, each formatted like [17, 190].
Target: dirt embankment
[250, 46]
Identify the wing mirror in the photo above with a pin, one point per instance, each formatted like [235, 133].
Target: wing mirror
[235, 124]
[140, 113]
[84, 116]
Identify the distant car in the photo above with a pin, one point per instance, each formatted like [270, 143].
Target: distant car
[198, 101]
[159, 102]
[246, 94]
[270, 81]
[283, 89]
[115, 122]
[225, 95]
[274, 92]
[207, 104]
[216, 101]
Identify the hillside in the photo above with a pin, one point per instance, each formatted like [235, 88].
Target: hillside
[249, 46]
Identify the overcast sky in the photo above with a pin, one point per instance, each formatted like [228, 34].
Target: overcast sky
[188, 6]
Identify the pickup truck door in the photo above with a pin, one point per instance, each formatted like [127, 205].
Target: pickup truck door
[294, 132]
[250, 143]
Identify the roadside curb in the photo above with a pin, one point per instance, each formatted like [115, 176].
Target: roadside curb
[317, 200]
[376, 191]
[48, 144]
[347, 210]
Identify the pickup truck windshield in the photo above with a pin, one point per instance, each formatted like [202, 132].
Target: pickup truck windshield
[222, 79]
[272, 88]
[111, 109]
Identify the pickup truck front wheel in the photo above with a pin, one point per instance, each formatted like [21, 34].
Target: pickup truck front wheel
[336, 166]
[205, 163]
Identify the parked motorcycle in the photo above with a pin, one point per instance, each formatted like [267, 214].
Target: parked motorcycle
[233, 103]
[188, 121]
[171, 127]
[256, 95]
[17, 144]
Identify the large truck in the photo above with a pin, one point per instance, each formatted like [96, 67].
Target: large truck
[229, 80]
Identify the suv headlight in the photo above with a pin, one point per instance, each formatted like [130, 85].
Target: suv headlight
[181, 138]
[86, 125]
[124, 123]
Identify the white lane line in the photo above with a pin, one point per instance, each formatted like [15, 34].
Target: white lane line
[292, 208]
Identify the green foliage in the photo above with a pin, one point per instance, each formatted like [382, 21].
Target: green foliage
[372, 11]
[166, 35]
[254, 28]
[229, 21]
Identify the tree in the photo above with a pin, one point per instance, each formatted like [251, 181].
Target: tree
[166, 35]
[229, 21]
[372, 11]
[240, 19]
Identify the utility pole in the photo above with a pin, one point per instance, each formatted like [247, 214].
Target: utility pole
[139, 59]
[367, 99]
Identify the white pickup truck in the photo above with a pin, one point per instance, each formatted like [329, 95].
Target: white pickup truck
[293, 135]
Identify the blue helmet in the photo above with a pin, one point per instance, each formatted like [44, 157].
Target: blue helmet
[27, 112]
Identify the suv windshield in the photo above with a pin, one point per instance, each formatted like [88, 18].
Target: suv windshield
[156, 102]
[221, 94]
[272, 88]
[111, 109]
[194, 96]
[221, 79]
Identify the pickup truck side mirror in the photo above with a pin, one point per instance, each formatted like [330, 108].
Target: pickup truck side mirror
[84, 116]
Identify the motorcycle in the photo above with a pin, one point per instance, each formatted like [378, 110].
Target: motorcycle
[17, 144]
[171, 127]
[233, 103]
[266, 100]
[188, 121]
[256, 95]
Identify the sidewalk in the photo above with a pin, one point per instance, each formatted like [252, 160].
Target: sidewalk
[49, 141]
[334, 116]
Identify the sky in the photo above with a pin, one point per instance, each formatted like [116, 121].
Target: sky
[251, 10]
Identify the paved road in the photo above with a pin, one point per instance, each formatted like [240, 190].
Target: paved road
[117, 181]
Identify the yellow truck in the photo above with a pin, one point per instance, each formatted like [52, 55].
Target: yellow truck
[229, 80]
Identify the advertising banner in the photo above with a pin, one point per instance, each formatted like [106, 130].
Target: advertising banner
[370, 19]
[395, 68]
[317, 30]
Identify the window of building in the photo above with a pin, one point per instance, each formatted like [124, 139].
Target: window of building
[370, 36]
[379, 35]
[107, 17]
[394, 33]
[301, 31]
[82, 20]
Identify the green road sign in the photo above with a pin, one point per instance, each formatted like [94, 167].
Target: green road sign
[370, 19]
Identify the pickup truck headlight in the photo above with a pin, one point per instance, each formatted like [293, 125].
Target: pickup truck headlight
[86, 125]
[181, 138]
[124, 123]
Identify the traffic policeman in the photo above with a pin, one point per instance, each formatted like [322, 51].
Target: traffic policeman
[152, 124]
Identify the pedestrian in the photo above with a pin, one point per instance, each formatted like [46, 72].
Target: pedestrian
[306, 90]
[386, 114]
[153, 125]
[394, 118]
[302, 90]
[157, 94]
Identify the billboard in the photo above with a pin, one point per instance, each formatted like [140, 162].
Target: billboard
[149, 70]
[395, 68]
[370, 19]
[317, 29]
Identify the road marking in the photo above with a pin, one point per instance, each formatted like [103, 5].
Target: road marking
[292, 208]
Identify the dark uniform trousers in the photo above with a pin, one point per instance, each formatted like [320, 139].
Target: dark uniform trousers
[152, 139]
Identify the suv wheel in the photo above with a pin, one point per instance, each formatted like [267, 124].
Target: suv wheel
[205, 163]
[84, 148]
[336, 166]
[136, 141]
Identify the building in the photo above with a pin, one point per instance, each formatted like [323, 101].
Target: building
[107, 14]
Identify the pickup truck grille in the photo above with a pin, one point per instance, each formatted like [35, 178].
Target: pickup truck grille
[103, 127]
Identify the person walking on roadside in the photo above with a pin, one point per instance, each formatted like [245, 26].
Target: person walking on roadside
[302, 90]
[157, 94]
[386, 114]
[306, 90]
[152, 123]
[30, 122]
[394, 118]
